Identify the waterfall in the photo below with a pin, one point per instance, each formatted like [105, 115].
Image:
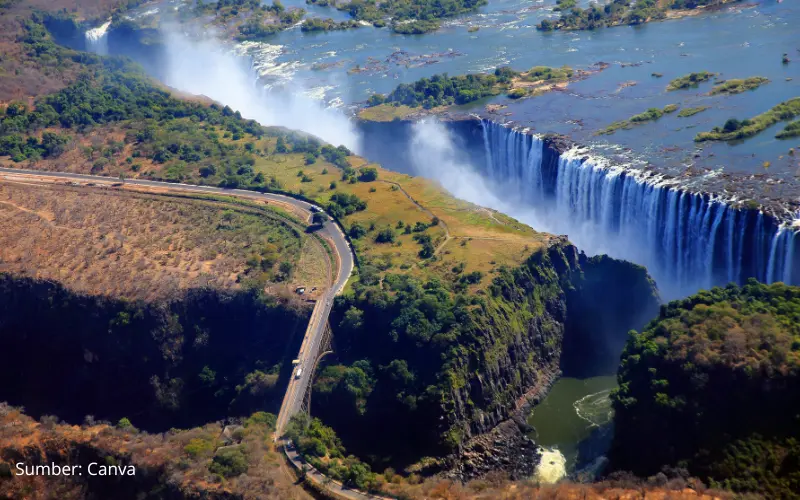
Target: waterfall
[97, 39]
[688, 241]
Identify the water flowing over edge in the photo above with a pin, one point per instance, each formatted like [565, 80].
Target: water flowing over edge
[687, 240]
[97, 38]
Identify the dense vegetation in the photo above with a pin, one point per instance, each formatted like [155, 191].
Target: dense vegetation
[444, 90]
[616, 13]
[650, 115]
[735, 129]
[712, 385]
[328, 24]
[410, 351]
[737, 86]
[689, 81]
[179, 363]
[407, 16]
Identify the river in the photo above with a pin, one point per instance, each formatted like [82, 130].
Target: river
[737, 42]
[572, 425]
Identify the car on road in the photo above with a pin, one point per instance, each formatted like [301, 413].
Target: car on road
[314, 209]
[298, 373]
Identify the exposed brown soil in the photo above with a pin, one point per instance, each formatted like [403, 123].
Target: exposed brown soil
[125, 244]
[176, 462]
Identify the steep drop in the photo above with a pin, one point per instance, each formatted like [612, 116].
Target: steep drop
[687, 240]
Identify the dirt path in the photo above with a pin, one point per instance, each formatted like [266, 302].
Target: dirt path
[447, 236]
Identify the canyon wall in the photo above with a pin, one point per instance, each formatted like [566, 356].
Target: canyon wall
[687, 240]
[178, 363]
[461, 366]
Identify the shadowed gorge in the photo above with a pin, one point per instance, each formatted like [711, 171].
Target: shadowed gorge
[440, 370]
[176, 363]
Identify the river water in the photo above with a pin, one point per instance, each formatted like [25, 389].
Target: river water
[572, 425]
[737, 42]
[342, 68]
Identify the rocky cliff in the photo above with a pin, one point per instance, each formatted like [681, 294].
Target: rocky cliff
[462, 365]
[183, 362]
[560, 312]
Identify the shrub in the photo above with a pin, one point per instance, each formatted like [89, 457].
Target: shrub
[229, 462]
[385, 235]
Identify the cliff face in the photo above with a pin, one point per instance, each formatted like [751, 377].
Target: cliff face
[502, 348]
[560, 310]
[184, 362]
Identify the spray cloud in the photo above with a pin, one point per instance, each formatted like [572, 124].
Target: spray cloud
[207, 67]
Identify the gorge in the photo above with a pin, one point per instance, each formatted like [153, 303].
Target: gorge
[688, 239]
[443, 328]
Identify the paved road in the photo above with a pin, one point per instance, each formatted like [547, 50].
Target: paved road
[310, 348]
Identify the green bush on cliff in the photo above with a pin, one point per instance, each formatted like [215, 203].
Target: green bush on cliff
[712, 385]
[431, 348]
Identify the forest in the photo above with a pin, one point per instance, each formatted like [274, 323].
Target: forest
[408, 349]
[407, 16]
[444, 90]
[713, 386]
[182, 362]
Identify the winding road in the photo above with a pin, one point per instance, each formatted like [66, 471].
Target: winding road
[309, 350]
[312, 341]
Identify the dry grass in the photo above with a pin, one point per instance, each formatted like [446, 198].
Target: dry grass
[160, 456]
[497, 487]
[492, 238]
[140, 245]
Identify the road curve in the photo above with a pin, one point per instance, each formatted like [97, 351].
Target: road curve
[310, 348]
[330, 230]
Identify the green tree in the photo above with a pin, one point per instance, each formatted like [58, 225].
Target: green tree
[368, 174]
[385, 235]
[229, 462]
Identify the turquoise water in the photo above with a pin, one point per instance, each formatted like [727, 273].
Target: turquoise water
[573, 410]
[342, 68]
[747, 39]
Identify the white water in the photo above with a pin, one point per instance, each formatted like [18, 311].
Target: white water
[233, 77]
[552, 467]
[97, 39]
[687, 241]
